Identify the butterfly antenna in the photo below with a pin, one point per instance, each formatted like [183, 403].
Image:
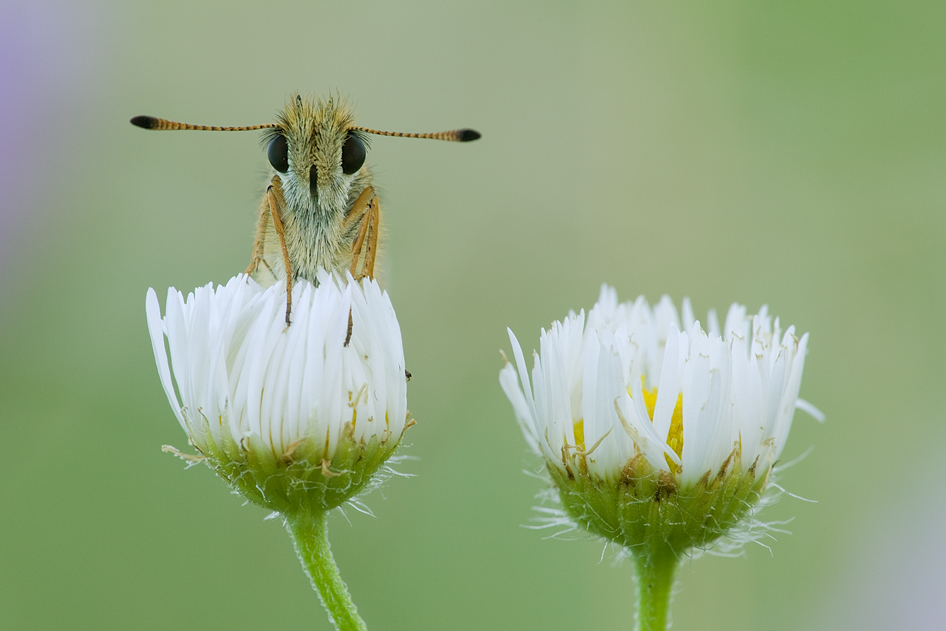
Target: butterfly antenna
[150, 122]
[457, 135]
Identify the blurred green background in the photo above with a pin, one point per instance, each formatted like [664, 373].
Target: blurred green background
[788, 154]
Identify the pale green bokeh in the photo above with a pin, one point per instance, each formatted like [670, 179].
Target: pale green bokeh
[737, 151]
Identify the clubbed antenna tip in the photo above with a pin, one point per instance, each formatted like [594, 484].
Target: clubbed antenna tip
[466, 135]
[147, 122]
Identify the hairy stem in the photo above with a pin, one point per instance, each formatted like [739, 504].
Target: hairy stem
[656, 570]
[309, 533]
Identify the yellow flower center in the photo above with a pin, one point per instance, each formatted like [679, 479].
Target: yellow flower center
[579, 429]
[675, 435]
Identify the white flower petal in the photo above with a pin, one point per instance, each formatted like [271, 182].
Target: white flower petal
[739, 386]
[239, 366]
[811, 410]
[668, 386]
[156, 330]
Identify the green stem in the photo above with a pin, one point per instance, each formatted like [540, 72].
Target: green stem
[656, 571]
[310, 535]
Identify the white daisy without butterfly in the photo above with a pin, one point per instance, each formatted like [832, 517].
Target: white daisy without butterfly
[653, 429]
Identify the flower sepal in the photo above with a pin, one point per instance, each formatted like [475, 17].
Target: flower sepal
[301, 478]
[644, 505]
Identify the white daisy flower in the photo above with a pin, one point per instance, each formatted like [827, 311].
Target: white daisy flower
[653, 429]
[303, 414]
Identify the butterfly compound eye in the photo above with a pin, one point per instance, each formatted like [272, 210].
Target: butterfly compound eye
[353, 155]
[278, 153]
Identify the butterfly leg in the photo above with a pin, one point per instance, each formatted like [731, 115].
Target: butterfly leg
[258, 239]
[367, 211]
[274, 198]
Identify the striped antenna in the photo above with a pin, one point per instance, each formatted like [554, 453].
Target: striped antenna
[150, 122]
[457, 135]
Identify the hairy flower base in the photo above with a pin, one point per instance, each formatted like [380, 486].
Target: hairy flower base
[302, 478]
[645, 509]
